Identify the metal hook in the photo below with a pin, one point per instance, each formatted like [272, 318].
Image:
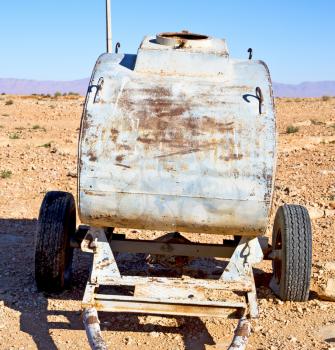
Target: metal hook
[259, 95]
[98, 89]
[117, 46]
[250, 53]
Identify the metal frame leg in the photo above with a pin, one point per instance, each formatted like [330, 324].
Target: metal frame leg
[241, 335]
[239, 268]
[92, 326]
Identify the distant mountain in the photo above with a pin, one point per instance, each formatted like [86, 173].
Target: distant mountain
[305, 89]
[27, 87]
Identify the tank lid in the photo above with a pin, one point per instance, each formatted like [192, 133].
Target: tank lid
[182, 39]
[186, 41]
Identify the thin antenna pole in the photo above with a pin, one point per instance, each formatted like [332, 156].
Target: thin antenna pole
[108, 26]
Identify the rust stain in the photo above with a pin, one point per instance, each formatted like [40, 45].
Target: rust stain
[105, 262]
[92, 320]
[98, 194]
[122, 165]
[85, 125]
[242, 331]
[186, 151]
[92, 156]
[181, 44]
[157, 91]
[165, 118]
[268, 178]
[209, 123]
[178, 309]
[192, 124]
[164, 107]
[123, 146]
[232, 157]
[114, 134]
[120, 158]
[146, 140]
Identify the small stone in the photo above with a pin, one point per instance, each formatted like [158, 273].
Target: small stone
[303, 123]
[292, 338]
[257, 329]
[330, 266]
[154, 334]
[329, 212]
[328, 292]
[128, 340]
[315, 213]
[72, 174]
[327, 333]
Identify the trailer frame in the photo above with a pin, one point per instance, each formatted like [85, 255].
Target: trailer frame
[169, 295]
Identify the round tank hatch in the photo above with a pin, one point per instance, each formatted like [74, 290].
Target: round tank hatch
[182, 39]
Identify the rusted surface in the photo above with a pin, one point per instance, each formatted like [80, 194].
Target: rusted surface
[92, 320]
[92, 157]
[119, 158]
[182, 35]
[241, 335]
[183, 149]
[243, 330]
[168, 308]
[92, 326]
[219, 284]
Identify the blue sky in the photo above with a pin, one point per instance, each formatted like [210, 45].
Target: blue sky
[61, 39]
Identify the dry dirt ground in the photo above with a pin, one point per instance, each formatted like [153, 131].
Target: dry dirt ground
[38, 144]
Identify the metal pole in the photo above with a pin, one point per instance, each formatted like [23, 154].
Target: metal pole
[108, 26]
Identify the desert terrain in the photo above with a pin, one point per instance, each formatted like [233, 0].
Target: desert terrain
[38, 149]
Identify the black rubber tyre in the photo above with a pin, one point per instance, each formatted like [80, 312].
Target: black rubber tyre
[292, 237]
[53, 254]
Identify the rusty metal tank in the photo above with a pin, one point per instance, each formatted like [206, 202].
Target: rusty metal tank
[179, 137]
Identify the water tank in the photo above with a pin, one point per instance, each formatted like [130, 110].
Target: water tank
[179, 137]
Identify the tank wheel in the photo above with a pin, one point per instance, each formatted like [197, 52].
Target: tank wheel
[53, 253]
[292, 253]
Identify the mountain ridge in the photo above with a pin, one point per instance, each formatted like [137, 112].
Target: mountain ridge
[28, 86]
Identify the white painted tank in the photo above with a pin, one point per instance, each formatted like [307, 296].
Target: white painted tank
[176, 138]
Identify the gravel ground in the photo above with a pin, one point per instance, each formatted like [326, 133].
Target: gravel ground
[38, 145]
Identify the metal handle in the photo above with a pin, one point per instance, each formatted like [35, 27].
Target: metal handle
[98, 89]
[259, 95]
[117, 46]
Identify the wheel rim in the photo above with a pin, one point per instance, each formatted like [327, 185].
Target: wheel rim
[277, 263]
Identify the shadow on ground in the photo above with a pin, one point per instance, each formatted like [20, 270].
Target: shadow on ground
[18, 292]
